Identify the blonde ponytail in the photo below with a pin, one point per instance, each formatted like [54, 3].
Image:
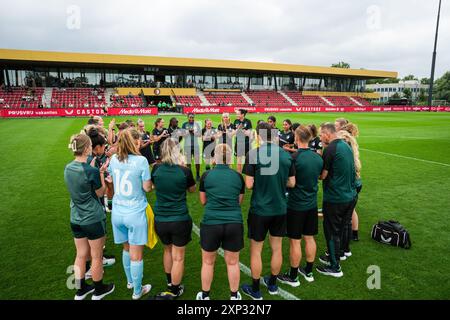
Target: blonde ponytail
[126, 144]
[78, 143]
[347, 136]
[171, 153]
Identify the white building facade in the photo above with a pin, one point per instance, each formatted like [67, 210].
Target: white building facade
[387, 90]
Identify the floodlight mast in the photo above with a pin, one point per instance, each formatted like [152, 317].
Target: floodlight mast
[433, 62]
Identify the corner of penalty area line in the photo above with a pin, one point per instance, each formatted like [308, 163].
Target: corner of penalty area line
[246, 270]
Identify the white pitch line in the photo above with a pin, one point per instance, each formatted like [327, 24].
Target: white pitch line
[396, 137]
[405, 157]
[246, 270]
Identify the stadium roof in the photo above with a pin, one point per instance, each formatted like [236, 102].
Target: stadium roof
[28, 57]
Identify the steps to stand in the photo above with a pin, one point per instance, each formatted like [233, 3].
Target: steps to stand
[247, 98]
[284, 94]
[108, 93]
[327, 101]
[205, 102]
[356, 101]
[47, 97]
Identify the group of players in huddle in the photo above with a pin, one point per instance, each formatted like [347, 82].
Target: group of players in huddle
[281, 167]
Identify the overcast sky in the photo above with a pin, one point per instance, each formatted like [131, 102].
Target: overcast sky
[395, 35]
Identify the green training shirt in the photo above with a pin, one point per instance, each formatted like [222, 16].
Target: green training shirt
[340, 183]
[308, 166]
[271, 168]
[82, 180]
[171, 183]
[222, 186]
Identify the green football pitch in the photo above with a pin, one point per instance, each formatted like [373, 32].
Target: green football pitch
[406, 177]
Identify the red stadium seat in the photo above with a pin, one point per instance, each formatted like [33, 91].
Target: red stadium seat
[363, 101]
[267, 98]
[127, 101]
[20, 97]
[77, 98]
[306, 100]
[343, 101]
[193, 101]
[227, 98]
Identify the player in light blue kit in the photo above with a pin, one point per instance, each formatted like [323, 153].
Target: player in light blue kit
[131, 178]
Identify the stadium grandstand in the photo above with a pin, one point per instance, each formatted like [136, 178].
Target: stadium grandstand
[38, 79]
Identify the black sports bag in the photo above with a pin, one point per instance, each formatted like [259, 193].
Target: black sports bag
[391, 232]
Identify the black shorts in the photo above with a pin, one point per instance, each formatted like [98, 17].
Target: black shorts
[177, 233]
[150, 158]
[91, 231]
[337, 215]
[229, 236]
[302, 223]
[259, 225]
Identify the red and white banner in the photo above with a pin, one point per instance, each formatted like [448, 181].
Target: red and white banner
[85, 112]
[204, 110]
[132, 111]
[75, 112]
